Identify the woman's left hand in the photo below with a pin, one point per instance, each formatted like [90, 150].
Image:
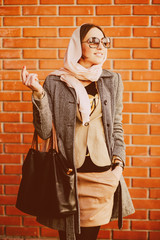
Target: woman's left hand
[117, 172]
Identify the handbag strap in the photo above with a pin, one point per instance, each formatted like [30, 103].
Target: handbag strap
[47, 144]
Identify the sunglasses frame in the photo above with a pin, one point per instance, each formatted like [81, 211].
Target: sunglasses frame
[100, 41]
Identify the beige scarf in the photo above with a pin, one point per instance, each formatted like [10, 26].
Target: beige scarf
[72, 71]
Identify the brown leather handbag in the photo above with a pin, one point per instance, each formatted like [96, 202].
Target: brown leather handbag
[47, 187]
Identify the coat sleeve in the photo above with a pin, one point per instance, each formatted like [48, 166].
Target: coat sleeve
[119, 145]
[42, 113]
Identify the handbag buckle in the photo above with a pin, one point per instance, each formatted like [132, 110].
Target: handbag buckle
[69, 171]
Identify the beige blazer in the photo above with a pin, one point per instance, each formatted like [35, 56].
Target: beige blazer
[91, 135]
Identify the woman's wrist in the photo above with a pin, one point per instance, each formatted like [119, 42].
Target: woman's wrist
[38, 94]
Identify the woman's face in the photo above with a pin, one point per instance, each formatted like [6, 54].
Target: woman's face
[92, 56]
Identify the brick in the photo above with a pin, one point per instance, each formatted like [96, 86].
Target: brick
[20, 21]
[131, 21]
[155, 130]
[155, 172]
[155, 65]
[54, 21]
[156, 21]
[18, 107]
[139, 214]
[50, 64]
[13, 169]
[18, 64]
[146, 75]
[1, 213]
[27, 138]
[11, 189]
[134, 150]
[151, 183]
[155, 42]
[130, 64]
[8, 200]
[30, 221]
[147, 140]
[127, 139]
[8, 75]
[145, 162]
[10, 158]
[6, 179]
[12, 210]
[40, 53]
[135, 86]
[126, 118]
[117, 32]
[154, 215]
[147, 225]
[57, 1]
[10, 117]
[131, 1]
[154, 151]
[53, 43]
[135, 129]
[146, 53]
[129, 235]
[26, 2]
[10, 11]
[142, 118]
[113, 10]
[138, 193]
[10, 138]
[39, 32]
[155, 1]
[22, 231]
[146, 32]
[19, 43]
[10, 53]
[14, 148]
[26, 96]
[154, 235]
[154, 193]
[10, 32]
[9, 96]
[16, 86]
[132, 172]
[94, 2]
[46, 232]
[144, 10]
[40, 10]
[130, 43]
[135, 107]
[100, 21]
[124, 74]
[5, 220]
[126, 97]
[103, 234]
[155, 108]
[76, 10]
[27, 117]
[114, 54]
[66, 32]
[146, 97]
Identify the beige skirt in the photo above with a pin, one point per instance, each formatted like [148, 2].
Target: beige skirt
[95, 193]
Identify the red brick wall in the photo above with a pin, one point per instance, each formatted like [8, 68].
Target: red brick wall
[36, 34]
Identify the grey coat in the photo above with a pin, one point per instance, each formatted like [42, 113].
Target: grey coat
[62, 110]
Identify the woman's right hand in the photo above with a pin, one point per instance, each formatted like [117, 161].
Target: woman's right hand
[31, 81]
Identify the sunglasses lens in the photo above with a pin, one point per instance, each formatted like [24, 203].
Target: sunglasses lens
[106, 42]
[93, 42]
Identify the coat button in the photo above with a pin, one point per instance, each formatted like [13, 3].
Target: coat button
[105, 102]
[86, 124]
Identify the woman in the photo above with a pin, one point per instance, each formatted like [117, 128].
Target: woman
[85, 104]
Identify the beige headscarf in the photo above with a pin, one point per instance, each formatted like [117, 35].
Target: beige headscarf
[72, 71]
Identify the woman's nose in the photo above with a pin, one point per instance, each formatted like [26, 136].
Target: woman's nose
[100, 46]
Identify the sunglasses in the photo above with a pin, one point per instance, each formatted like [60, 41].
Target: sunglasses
[94, 42]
